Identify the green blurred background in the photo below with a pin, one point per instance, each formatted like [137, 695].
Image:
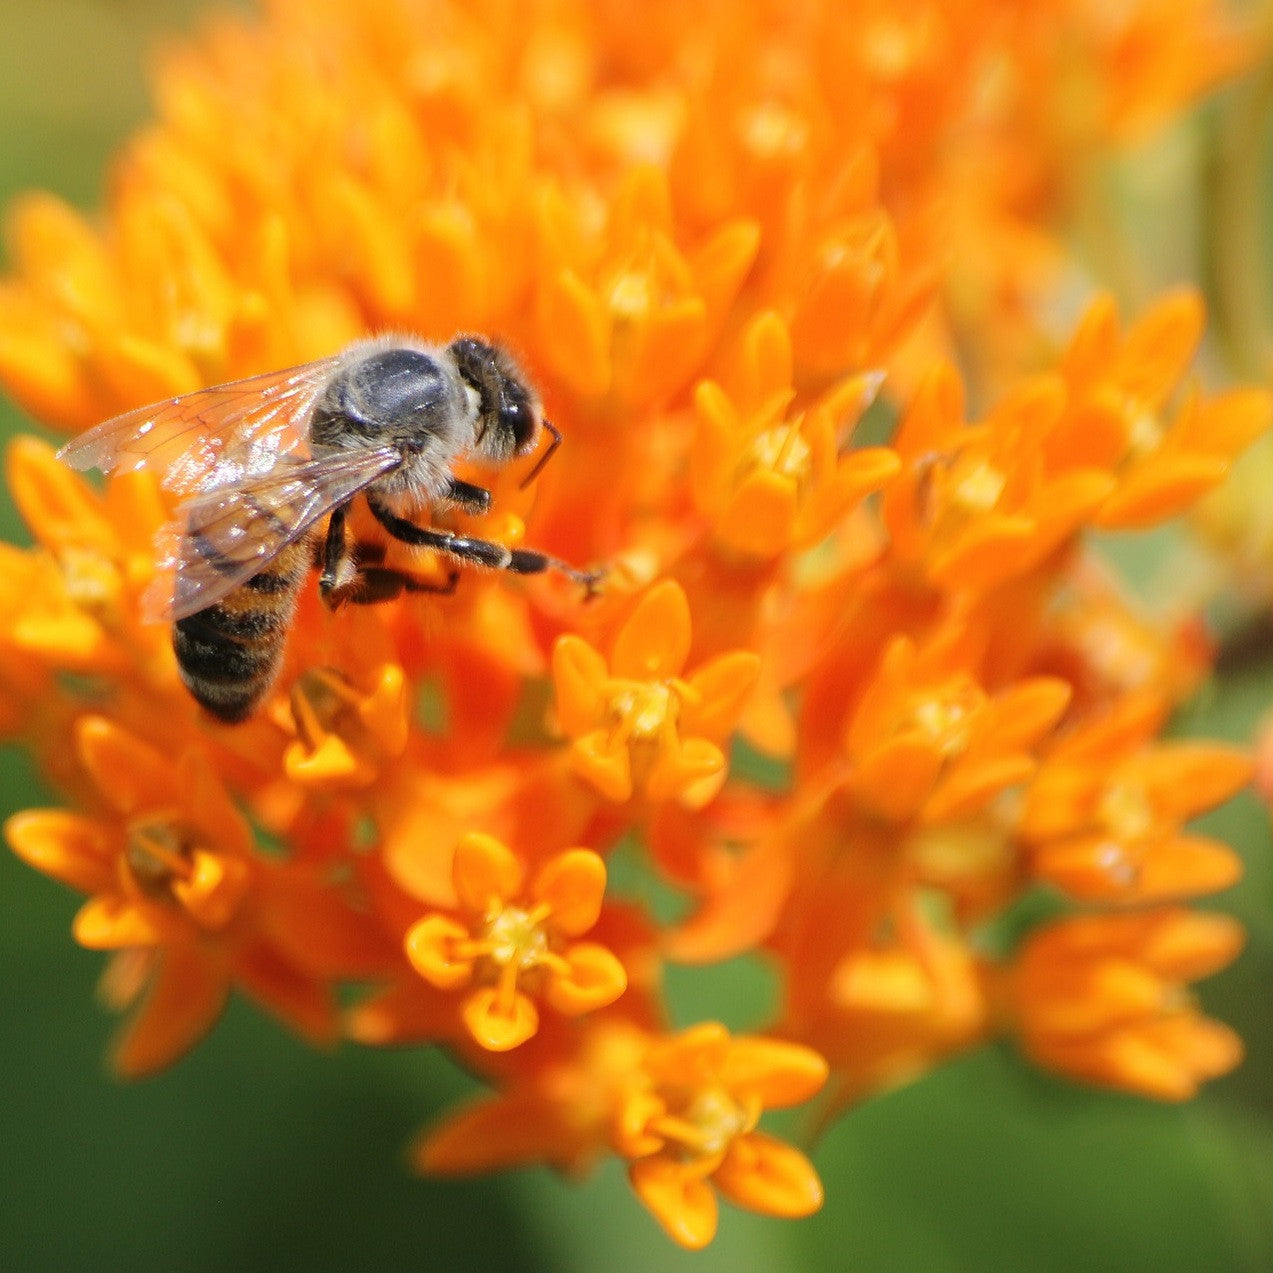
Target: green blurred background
[257, 1153]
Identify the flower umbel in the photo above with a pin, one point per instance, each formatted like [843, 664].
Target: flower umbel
[854, 683]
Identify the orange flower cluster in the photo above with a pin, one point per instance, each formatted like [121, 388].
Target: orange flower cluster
[852, 701]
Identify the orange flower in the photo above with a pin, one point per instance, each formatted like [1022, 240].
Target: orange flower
[636, 724]
[977, 504]
[1103, 816]
[927, 741]
[1103, 998]
[628, 319]
[174, 883]
[847, 703]
[517, 949]
[95, 557]
[770, 483]
[690, 1123]
[341, 734]
[1120, 386]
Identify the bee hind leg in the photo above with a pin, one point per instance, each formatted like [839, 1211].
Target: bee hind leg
[373, 584]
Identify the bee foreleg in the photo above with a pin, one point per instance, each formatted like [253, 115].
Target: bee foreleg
[482, 552]
[472, 499]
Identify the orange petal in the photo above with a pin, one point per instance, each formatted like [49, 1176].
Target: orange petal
[655, 640]
[738, 912]
[572, 321]
[128, 772]
[681, 767]
[511, 1130]
[596, 978]
[55, 503]
[499, 1023]
[1188, 778]
[578, 674]
[759, 518]
[723, 686]
[1161, 344]
[300, 1000]
[430, 945]
[331, 763]
[608, 768]
[768, 1176]
[65, 846]
[184, 1000]
[773, 1071]
[681, 1202]
[895, 780]
[1160, 487]
[573, 883]
[485, 872]
[111, 923]
[632, 1135]
[214, 889]
[1227, 423]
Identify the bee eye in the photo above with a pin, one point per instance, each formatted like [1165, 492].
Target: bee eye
[517, 419]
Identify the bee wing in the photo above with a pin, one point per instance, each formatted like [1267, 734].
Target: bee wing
[225, 535]
[212, 436]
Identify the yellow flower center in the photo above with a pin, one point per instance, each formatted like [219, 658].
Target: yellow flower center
[516, 938]
[770, 129]
[158, 853]
[91, 579]
[978, 489]
[704, 1122]
[1126, 811]
[322, 703]
[1146, 433]
[631, 295]
[945, 721]
[718, 1117]
[784, 450]
[644, 709]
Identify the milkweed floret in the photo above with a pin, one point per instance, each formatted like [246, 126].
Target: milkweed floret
[513, 944]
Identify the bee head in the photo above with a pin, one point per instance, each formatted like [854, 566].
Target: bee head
[509, 417]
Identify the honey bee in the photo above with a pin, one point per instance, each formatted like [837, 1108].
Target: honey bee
[260, 462]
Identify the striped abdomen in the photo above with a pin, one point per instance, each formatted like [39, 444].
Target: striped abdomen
[230, 653]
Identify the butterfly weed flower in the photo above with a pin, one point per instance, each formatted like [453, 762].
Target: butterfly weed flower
[513, 939]
[804, 614]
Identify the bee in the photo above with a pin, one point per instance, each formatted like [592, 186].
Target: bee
[258, 463]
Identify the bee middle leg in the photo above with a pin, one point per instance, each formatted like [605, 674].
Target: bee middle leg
[361, 578]
[482, 552]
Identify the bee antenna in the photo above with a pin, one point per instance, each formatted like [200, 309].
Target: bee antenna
[543, 459]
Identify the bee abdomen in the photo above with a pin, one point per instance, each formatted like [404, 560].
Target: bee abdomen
[230, 653]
